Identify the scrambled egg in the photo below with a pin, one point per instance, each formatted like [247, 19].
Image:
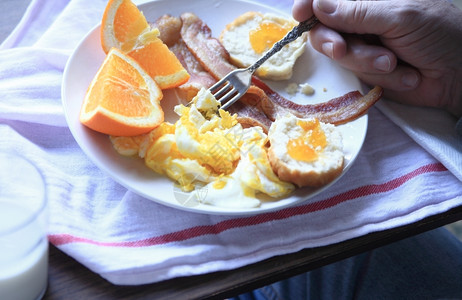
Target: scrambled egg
[212, 149]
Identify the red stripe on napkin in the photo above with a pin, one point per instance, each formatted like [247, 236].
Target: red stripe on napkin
[192, 232]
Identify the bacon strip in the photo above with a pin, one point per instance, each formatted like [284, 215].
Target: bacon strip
[207, 49]
[252, 110]
[169, 29]
[215, 59]
[170, 33]
[336, 111]
[199, 77]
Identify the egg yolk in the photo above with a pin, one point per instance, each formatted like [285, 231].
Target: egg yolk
[266, 35]
[219, 184]
[307, 146]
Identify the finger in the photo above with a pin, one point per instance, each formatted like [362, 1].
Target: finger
[328, 42]
[301, 10]
[374, 17]
[363, 57]
[403, 78]
[352, 52]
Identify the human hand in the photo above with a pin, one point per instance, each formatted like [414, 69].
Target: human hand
[412, 48]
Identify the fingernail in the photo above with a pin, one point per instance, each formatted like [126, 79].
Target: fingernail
[327, 6]
[382, 63]
[328, 49]
[410, 79]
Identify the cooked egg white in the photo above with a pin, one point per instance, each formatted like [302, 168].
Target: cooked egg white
[292, 88]
[306, 89]
[250, 35]
[253, 175]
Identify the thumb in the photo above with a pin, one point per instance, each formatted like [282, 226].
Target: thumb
[361, 17]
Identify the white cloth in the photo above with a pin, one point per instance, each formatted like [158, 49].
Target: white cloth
[433, 129]
[131, 240]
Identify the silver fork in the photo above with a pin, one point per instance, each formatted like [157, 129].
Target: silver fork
[236, 83]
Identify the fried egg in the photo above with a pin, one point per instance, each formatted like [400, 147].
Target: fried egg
[250, 35]
[306, 152]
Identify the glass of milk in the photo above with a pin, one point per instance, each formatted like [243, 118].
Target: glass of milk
[23, 240]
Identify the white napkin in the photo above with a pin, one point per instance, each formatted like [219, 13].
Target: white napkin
[131, 240]
[433, 129]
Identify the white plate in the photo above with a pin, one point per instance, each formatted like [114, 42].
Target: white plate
[312, 68]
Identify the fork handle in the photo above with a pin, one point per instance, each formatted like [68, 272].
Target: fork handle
[292, 35]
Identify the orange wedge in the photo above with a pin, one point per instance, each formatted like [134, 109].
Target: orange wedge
[161, 64]
[122, 99]
[125, 27]
[121, 26]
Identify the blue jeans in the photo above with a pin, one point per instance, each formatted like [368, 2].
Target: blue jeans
[426, 266]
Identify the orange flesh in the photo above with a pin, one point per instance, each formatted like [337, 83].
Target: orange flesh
[306, 147]
[132, 99]
[128, 22]
[157, 59]
[266, 35]
[160, 63]
[129, 32]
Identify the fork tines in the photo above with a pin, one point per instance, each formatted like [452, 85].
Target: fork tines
[222, 89]
[230, 88]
